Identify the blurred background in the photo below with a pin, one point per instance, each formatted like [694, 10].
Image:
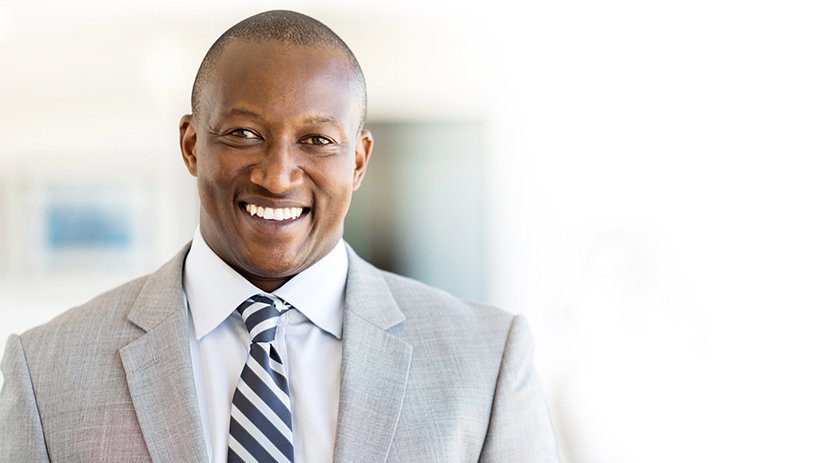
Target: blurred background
[639, 178]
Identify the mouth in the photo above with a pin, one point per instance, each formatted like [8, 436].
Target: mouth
[274, 214]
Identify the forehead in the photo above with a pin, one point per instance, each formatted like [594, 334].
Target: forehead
[272, 75]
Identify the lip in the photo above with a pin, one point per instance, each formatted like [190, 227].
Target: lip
[270, 203]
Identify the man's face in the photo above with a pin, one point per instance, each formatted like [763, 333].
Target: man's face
[277, 153]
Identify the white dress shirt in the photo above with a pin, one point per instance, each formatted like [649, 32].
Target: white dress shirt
[311, 335]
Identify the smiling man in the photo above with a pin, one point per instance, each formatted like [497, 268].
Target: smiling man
[268, 338]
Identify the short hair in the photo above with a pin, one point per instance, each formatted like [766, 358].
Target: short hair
[288, 27]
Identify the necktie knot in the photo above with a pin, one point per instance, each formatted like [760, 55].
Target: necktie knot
[260, 313]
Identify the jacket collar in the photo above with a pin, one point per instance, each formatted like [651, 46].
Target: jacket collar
[158, 369]
[375, 366]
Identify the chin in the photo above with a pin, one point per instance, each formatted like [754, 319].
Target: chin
[275, 265]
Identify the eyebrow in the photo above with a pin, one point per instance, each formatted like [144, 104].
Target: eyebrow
[306, 120]
[241, 112]
[320, 120]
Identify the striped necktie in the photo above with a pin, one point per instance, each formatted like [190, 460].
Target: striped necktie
[260, 428]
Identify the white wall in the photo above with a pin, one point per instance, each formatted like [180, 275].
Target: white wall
[653, 184]
[663, 230]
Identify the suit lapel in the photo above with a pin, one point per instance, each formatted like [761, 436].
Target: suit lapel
[375, 366]
[158, 369]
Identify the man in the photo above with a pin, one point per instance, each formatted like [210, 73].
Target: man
[360, 365]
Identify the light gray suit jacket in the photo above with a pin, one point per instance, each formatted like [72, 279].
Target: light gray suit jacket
[425, 377]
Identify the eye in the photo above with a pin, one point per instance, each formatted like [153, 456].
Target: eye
[244, 134]
[317, 140]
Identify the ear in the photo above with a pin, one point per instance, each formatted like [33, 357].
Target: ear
[361, 156]
[188, 143]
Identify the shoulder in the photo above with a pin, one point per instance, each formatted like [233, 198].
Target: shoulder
[423, 312]
[105, 318]
[423, 300]
[447, 325]
[107, 311]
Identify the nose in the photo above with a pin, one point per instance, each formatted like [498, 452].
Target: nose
[278, 170]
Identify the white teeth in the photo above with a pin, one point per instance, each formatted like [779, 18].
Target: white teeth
[270, 213]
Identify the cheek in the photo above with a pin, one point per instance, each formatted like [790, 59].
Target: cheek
[208, 199]
[216, 171]
[338, 186]
[337, 173]
[333, 184]
[213, 186]
[340, 201]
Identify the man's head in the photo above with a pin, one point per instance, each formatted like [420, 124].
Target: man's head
[276, 142]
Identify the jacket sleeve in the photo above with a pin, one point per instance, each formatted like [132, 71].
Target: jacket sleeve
[520, 427]
[21, 432]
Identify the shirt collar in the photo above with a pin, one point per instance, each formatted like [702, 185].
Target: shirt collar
[214, 289]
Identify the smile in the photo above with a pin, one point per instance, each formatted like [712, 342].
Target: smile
[274, 213]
